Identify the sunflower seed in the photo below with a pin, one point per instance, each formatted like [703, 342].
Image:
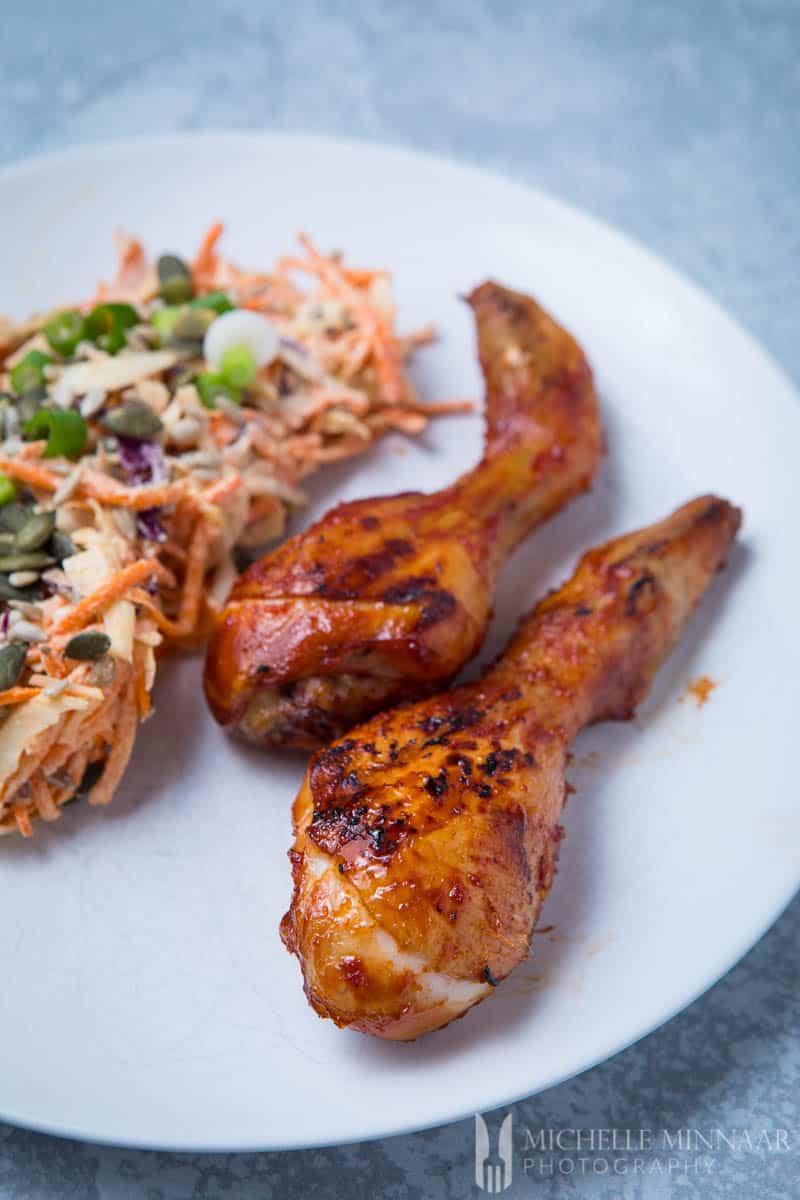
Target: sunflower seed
[230, 409]
[56, 688]
[24, 631]
[125, 522]
[104, 671]
[11, 594]
[33, 560]
[185, 431]
[201, 458]
[65, 490]
[92, 402]
[21, 608]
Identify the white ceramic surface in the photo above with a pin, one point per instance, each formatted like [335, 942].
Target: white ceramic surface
[145, 996]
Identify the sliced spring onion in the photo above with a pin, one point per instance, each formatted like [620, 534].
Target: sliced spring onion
[107, 324]
[66, 431]
[241, 328]
[237, 366]
[29, 371]
[217, 301]
[64, 331]
[210, 385]
[7, 490]
[164, 318]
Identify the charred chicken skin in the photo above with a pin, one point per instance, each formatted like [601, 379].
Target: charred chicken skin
[384, 600]
[426, 840]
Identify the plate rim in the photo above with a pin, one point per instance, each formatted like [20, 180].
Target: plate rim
[45, 160]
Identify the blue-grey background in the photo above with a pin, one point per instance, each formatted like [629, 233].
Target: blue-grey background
[676, 121]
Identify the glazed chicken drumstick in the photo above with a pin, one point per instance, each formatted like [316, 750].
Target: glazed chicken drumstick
[385, 599]
[427, 840]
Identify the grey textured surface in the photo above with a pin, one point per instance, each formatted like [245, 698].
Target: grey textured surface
[676, 121]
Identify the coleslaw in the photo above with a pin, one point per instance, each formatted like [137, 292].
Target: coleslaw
[151, 436]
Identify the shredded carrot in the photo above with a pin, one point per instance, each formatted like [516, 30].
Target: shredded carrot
[375, 325]
[206, 254]
[263, 506]
[142, 695]
[443, 408]
[192, 584]
[95, 485]
[121, 747]
[107, 491]
[28, 472]
[18, 695]
[132, 259]
[23, 818]
[229, 476]
[112, 589]
[43, 801]
[135, 277]
[223, 429]
[192, 597]
[222, 489]
[33, 449]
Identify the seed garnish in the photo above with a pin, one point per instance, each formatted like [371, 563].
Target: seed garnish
[87, 646]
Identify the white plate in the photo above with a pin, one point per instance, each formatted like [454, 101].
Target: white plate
[146, 998]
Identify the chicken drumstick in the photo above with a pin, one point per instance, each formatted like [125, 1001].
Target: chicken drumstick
[385, 599]
[426, 841]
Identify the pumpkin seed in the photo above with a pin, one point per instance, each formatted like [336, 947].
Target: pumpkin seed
[132, 419]
[169, 265]
[62, 546]
[30, 402]
[12, 660]
[14, 515]
[191, 324]
[9, 592]
[175, 279]
[34, 560]
[21, 579]
[36, 531]
[87, 646]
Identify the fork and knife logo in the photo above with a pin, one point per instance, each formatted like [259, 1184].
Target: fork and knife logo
[494, 1168]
